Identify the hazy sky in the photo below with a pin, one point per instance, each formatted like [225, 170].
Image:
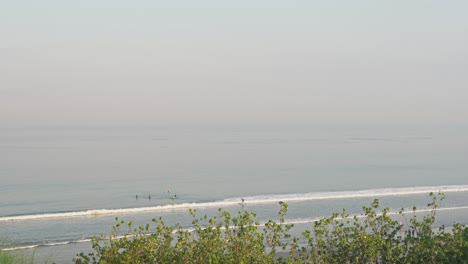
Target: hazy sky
[173, 62]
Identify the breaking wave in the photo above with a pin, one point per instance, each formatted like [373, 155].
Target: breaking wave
[289, 221]
[259, 199]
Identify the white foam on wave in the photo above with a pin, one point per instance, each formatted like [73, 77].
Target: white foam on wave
[288, 221]
[391, 213]
[355, 194]
[47, 244]
[260, 199]
[19, 248]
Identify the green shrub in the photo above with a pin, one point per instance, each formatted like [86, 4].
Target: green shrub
[372, 237]
[7, 257]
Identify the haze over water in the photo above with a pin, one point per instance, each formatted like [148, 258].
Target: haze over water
[89, 176]
[327, 105]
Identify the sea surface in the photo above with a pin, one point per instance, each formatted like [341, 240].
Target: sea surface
[60, 186]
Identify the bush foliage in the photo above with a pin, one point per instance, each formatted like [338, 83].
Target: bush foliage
[15, 258]
[372, 237]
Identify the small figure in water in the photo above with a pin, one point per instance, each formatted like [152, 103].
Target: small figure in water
[173, 197]
[242, 200]
[136, 197]
[149, 196]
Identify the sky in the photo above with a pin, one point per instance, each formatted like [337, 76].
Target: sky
[69, 63]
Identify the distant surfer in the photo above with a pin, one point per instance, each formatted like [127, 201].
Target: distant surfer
[136, 197]
[149, 196]
[242, 203]
[174, 197]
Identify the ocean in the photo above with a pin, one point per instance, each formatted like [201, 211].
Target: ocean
[59, 186]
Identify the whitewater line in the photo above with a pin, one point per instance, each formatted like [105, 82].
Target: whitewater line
[291, 221]
[260, 199]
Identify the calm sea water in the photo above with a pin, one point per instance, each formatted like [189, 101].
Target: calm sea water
[62, 185]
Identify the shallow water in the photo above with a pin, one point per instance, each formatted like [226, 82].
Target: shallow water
[66, 184]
